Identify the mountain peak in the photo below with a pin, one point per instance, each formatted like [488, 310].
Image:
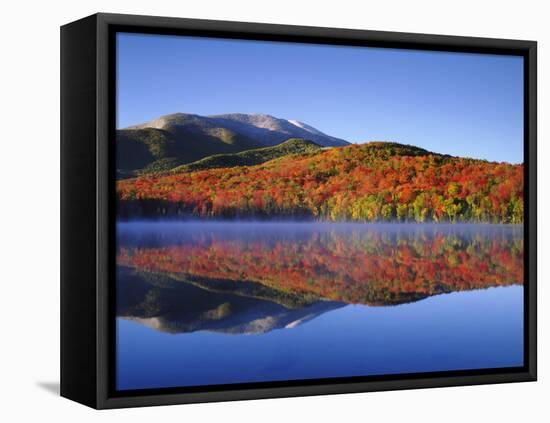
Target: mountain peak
[265, 129]
[238, 115]
[163, 121]
[272, 130]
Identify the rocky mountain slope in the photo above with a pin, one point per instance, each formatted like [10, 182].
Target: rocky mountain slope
[177, 139]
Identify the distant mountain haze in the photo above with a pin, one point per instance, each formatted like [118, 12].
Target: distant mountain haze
[181, 138]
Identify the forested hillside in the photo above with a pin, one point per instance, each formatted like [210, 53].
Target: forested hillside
[251, 157]
[368, 182]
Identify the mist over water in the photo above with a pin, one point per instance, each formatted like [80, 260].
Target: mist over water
[178, 231]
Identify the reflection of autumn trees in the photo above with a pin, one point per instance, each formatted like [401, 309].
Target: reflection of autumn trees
[372, 267]
[369, 182]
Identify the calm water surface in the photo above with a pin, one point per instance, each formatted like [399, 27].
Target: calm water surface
[218, 303]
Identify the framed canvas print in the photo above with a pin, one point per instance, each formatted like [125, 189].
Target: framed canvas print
[254, 211]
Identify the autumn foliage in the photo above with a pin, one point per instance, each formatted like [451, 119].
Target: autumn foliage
[368, 182]
[369, 268]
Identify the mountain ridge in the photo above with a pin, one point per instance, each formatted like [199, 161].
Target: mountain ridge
[267, 129]
[177, 139]
[271, 130]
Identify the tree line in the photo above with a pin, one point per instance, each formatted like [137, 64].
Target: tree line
[364, 183]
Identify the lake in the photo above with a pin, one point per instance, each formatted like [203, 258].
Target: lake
[206, 303]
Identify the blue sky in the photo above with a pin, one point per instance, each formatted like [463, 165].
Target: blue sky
[456, 103]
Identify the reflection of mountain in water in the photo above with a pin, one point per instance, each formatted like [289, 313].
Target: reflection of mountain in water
[254, 279]
[175, 306]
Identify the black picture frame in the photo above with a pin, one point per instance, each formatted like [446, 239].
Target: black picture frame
[87, 215]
